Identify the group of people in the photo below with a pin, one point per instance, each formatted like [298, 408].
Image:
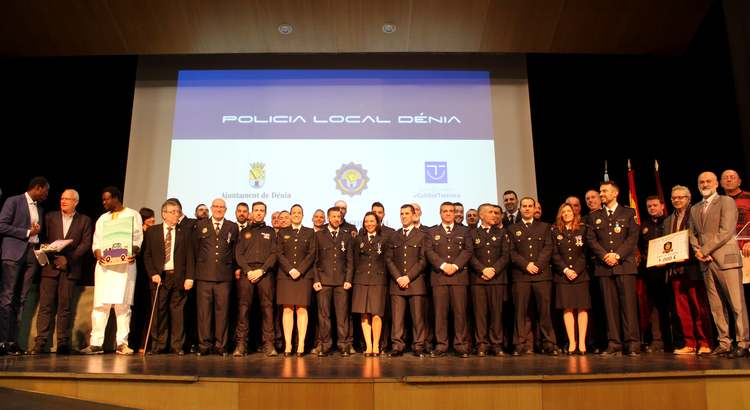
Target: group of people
[495, 280]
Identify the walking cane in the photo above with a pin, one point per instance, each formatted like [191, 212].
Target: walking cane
[151, 319]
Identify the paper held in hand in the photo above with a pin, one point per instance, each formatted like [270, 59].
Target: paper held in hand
[54, 247]
[117, 244]
[668, 249]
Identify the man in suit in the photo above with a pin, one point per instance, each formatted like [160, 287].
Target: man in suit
[448, 252]
[613, 237]
[169, 262]
[59, 277]
[256, 257]
[21, 222]
[489, 280]
[593, 201]
[406, 265]
[510, 201]
[242, 213]
[530, 251]
[214, 240]
[458, 213]
[712, 237]
[334, 269]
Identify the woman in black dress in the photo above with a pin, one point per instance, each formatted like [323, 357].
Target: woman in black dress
[571, 278]
[370, 282]
[296, 254]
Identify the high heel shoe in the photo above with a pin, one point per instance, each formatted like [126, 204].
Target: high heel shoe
[287, 354]
[301, 354]
[582, 352]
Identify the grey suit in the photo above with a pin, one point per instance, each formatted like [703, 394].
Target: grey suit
[712, 232]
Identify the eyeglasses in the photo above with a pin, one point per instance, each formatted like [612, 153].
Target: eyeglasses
[218, 207]
[67, 199]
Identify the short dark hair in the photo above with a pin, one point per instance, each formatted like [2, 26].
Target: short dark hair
[38, 182]
[654, 198]
[114, 192]
[527, 197]
[297, 206]
[200, 205]
[377, 221]
[610, 183]
[176, 201]
[259, 203]
[242, 204]
[146, 213]
[508, 192]
[446, 203]
[458, 204]
[378, 204]
[333, 209]
[410, 206]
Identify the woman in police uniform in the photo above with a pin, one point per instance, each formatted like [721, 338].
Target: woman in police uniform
[370, 281]
[571, 278]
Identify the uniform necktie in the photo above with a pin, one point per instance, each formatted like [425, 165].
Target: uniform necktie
[217, 228]
[369, 238]
[168, 245]
[333, 234]
[609, 212]
[448, 230]
[296, 231]
[406, 233]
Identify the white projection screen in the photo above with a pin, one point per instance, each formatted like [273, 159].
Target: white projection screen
[316, 129]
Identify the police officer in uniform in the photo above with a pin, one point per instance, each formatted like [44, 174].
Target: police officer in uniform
[214, 239]
[531, 250]
[612, 238]
[489, 281]
[406, 265]
[256, 256]
[334, 269]
[448, 253]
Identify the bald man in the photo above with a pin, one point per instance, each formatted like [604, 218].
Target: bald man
[214, 239]
[712, 237]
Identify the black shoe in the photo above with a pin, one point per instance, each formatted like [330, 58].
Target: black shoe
[194, 349]
[569, 353]
[437, 353]
[552, 351]
[633, 353]
[498, 353]
[515, 353]
[203, 352]
[463, 355]
[581, 353]
[611, 351]
[481, 353]
[287, 354]
[222, 352]
[300, 354]
[36, 350]
[271, 352]
[92, 350]
[179, 352]
[3, 349]
[321, 353]
[738, 353]
[395, 353]
[239, 351]
[419, 353]
[63, 350]
[344, 352]
[721, 351]
[315, 350]
[14, 349]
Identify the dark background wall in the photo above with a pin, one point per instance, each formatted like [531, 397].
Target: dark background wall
[69, 119]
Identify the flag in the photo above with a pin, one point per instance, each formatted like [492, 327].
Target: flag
[659, 189]
[606, 175]
[632, 196]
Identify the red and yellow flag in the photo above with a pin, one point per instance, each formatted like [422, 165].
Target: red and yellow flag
[631, 195]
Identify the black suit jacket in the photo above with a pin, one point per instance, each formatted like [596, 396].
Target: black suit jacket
[570, 253]
[532, 244]
[335, 260]
[618, 234]
[80, 232]
[507, 222]
[407, 258]
[153, 253]
[214, 255]
[295, 251]
[455, 248]
[369, 259]
[491, 250]
[256, 248]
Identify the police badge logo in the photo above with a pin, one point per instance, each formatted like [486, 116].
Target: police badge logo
[248, 235]
[205, 230]
[354, 233]
[351, 179]
[437, 237]
[257, 175]
[579, 240]
[559, 237]
[518, 233]
[477, 241]
[598, 221]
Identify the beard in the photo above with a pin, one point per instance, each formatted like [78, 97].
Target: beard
[707, 192]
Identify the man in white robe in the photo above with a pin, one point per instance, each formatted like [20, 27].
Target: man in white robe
[114, 285]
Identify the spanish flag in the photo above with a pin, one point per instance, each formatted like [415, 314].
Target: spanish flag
[632, 196]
